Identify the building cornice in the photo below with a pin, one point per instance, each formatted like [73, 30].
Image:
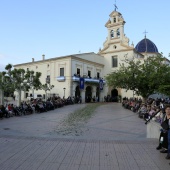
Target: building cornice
[111, 43]
[61, 58]
[116, 51]
[87, 61]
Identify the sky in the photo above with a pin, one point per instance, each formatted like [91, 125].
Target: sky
[30, 28]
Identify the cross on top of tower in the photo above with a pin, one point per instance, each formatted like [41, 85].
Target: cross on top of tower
[145, 33]
[115, 6]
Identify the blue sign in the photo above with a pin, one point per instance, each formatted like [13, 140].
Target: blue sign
[101, 84]
[81, 83]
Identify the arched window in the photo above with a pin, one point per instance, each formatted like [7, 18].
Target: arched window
[114, 20]
[118, 32]
[112, 34]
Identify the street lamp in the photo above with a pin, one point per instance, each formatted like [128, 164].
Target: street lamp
[64, 91]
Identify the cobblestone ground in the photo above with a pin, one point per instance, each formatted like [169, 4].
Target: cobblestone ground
[112, 139]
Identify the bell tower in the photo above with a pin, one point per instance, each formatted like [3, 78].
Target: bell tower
[115, 26]
[116, 36]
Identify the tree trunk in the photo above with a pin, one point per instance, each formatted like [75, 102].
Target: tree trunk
[19, 98]
[2, 96]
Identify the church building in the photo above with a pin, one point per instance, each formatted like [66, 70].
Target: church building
[84, 74]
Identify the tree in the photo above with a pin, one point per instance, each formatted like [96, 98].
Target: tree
[144, 77]
[165, 89]
[19, 80]
[4, 86]
[46, 87]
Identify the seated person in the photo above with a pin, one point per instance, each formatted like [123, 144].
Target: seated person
[159, 116]
[142, 110]
[152, 111]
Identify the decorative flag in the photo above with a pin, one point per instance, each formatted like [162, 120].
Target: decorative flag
[81, 83]
[101, 84]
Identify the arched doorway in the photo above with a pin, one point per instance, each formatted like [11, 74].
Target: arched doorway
[98, 94]
[77, 94]
[88, 94]
[77, 91]
[114, 95]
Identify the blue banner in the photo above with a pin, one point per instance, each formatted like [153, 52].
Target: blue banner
[81, 83]
[101, 84]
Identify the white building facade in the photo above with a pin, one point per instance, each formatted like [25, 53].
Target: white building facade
[65, 72]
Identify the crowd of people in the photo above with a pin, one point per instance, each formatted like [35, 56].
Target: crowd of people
[36, 106]
[157, 110]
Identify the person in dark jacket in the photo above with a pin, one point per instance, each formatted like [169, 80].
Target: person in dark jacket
[163, 139]
[165, 142]
[167, 110]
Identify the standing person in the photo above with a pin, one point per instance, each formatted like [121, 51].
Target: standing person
[166, 137]
[167, 110]
[163, 139]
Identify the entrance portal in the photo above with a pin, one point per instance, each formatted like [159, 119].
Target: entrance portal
[77, 92]
[88, 94]
[114, 95]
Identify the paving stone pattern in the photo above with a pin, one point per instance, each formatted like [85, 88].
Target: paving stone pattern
[114, 139]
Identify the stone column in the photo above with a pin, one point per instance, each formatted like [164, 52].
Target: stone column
[115, 33]
[109, 35]
[93, 92]
[121, 32]
[73, 89]
[101, 98]
[82, 94]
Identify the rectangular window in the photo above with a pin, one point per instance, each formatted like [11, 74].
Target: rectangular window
[78, 71]
[89, 73]
[98, 75]
[61, 71]
[48, 79]
[114, 61]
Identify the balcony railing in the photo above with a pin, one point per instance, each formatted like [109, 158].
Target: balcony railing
[87, 80]
[61, 78]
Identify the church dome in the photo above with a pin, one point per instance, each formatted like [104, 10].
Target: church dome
[146, 45]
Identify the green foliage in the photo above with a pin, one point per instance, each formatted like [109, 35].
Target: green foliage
[47, 87]
[145, 77]
[19, 79]
[165, 89]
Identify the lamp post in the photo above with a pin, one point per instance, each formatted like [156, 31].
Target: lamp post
[64, 91]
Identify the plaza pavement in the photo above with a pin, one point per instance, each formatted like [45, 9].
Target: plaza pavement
[112, 139]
